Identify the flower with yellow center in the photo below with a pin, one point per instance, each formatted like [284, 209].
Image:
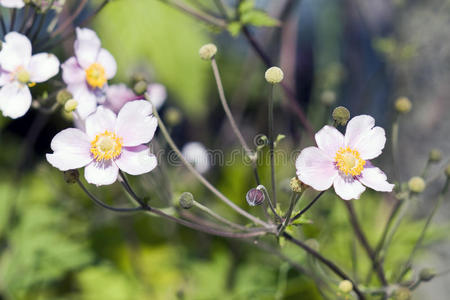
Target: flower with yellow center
[349, 161]
[96, 75]
[106, 146]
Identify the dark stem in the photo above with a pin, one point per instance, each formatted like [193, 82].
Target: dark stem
[69, 20]
[2, 23]
[307, 206]
[13, 19]
[26, 15]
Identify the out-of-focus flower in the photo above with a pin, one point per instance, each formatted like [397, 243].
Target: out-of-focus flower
[416, 184]
[19, 70]
[87, 73]
[12, 3]
[157, 94]
[117, 95]
[108, 143]
[44, 5]
[343, 161]
[196, 154]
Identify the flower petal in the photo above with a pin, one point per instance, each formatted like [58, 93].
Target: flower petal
[71, 150]
[357, 128]
[87, 46]
[87, 99]
[16, 51]
[315, 168]
[108, 62]
[329, 140]
[136, 160]
[15, 99]
[43, 66]
[101, 173]
[117, 95]
[103, 119]
[12, 3]
[374, 178]
[372, 143]
[135, 124]
[5, 77]
[157, 94]
[72, 72]
[348, 188]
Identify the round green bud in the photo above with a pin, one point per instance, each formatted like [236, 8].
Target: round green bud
[139, 76]
[435, 155]
[207, 52]
[71, 176]
[328, 97]
[186, 200]
[140, 87]
[70, 105]
[416, 184]
[63, 96]
[172, 116]
[403, 105]
[345, 286]
[402, 293]
[296, 185]
[427, 274]
[447, 171]
[341, 115]
[274, 75]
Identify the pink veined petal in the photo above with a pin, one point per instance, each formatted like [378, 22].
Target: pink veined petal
[72, 73]
[329, 140]
[100, 121]
[135, 124]
[357, 128]
[101, 173]
[136, 160]
[42, 67]
[87, 46]
[315, 168]
[108, 63]
[348, 188]
[12, 3]
[372, 143]
[71, 150]
[87, 99]
[15, 99]
[374, 178]
[157, 93]
[16, 51]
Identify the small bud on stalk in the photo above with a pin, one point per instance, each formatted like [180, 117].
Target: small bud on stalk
[435, 155]
[296, 185]
[71, 176]
[70, 105]
[172, 116]
[341, 115]
[255, 197]
[63, 96]
[186, 200]
[403, 105]
[328, 97]
[346, 286]
[427, 274]
[416, 184]
[140, 87]
[208, 51]
[274, 75]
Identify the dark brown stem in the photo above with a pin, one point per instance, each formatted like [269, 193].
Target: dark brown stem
[307, 207]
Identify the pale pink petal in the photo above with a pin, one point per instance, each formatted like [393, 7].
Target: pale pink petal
[5, 77]
[347, 187]
[42, 67]
[12, 3]
[86, 98]
[374, 178]
[72, 72]
[87, 46]
[357, 128]
[371, 144]
[101, 173]
[157, 94]
[16, 51]
[15, 99]
[315, 168]
[329, 140]
[117, 95]
[108, 63]
[100, 121]
[135, 124]
[137, 160]
[71, 150]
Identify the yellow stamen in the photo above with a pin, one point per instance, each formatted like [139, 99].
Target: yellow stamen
[96, 75]
[349, 161]
[22, 75]
[31, 84]
[106, 146]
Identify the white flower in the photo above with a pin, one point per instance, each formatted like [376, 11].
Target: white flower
[12, 3]
[157, 94]
[19, 70]
[343, 161]
[196, 154]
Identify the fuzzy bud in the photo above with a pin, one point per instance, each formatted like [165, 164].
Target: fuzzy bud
[140, 87]
[207, 52]
[341, 115]
[402, 293]
[63, 96]
[70, 105]
[427, 274]
[255, 197]
[71, 176]
[416, 184]
[435, 155]
[186, 200]
[403, 105]
[346, 286]
[296, 185]
[274, 75]
[172, 116]
[328, 98]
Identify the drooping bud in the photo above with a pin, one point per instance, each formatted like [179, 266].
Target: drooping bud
[140, 87]
[328, 97]
[296, 185]
[416, 184]
[63, 96]
[427, 274]
[172, 116]
[341, 115]
[71, 176]
[70, 105]
[186, 200]
[207, 52]
[346, 286]
[435, 155]
[402, 293]
[255, 197]
[403, 105]
[274, 75]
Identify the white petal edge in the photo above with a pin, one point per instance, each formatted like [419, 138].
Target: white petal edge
[43, 66]
[375, 179]
[347, 187]
[137, 160]
[101, 173]
[15, 99]
[87, 46]
[329, 140]
[87, 99]
[372, 143]
[108, 63]
[72, 73]
[357, 128]
[100, 121]
[16, 51]
[12, 3]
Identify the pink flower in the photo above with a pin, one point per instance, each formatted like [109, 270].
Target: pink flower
[117, 95]
[86, 74]
[108, 143]
[343, 161]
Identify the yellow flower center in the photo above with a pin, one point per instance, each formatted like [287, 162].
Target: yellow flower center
[349, 162]
[106, 146]
[22, 75]
[95, 75]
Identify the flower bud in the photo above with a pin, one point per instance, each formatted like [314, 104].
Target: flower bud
[403, 105]
[255, 197]
[435, 155]
[186, 200]
[427, 274]
[208, 51]
[346, 286]
[416, 184]
[402, 293]
[296, 185]
[70, 105]
[71, 176]
[274, 75]
[140, 87]
[63, 96]
[328, 98]
[447, 171]
[172, 116]
[341, 115]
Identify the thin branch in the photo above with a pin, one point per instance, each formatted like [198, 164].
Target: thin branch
[271, 147]
[307, 206]
[70, 19]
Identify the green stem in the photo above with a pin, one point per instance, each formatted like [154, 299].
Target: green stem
[287, 218]
[271, 147]
[272, 208]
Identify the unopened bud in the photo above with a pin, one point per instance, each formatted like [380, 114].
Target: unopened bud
[70, 105]
[402, 293]
[427, 274]
[346, 286]
[255, 197]
[403, 105]
[416, 184]
[296, 185]
[71, 176]
[63, 96]
[172, 116]
[341, 115]
[207, 51]
[140, 87]
[274, 75]
[328, 98]
[186, 200]
[435, 155]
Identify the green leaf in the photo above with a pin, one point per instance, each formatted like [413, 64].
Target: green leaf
[234, 28]
[246, 6]
[259, 18]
